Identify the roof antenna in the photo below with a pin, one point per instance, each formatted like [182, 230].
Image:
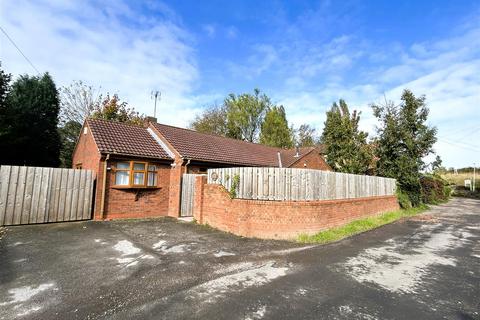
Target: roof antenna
[156, 95]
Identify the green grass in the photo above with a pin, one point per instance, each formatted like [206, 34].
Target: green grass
[359, 226]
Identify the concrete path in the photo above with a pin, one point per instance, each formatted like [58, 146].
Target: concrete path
[423, 268]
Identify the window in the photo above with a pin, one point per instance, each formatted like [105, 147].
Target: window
[135, 174]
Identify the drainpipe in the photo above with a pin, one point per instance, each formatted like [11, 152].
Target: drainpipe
[279, 160]
[104, 186]
[186, 165]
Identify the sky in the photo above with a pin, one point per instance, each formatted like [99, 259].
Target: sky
[303, 54]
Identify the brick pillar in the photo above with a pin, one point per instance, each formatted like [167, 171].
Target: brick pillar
[175, 189]
[200, 182]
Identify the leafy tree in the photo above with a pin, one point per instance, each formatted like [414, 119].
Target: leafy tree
[28, 133]
[111, 108]
[245, 114]
[5, 79]
[306, 136]
[275, 131]
[437, 163]
[69, 133]
[212, 120]
[404, 139]
[346, 146]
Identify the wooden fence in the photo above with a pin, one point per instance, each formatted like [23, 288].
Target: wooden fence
[188, 194]
[299, 184]
[37, 195]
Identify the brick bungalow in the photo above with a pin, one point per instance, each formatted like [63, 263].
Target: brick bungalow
[139, 169]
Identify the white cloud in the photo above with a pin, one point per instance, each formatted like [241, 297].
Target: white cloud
[231, 32]
[109, 45]
[210, 30]
[446, 71]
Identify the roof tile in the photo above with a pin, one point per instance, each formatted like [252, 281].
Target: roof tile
[119, 138]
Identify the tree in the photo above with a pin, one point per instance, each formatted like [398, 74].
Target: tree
[212, 120]
[28, 133]
[5, 79]
[346, 146]
[404, 139]
[306, 136]
[275, 131]
[69, 133]
[437, 163]
[78, 102]
[111, 108]
[245, 114]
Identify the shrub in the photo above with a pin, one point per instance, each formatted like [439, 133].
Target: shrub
[234, 186]
[403, 199]
[434, 189]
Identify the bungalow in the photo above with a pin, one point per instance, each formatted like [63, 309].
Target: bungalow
[139, 169]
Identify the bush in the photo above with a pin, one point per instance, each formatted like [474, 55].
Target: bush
[434, 189]
[403, 199]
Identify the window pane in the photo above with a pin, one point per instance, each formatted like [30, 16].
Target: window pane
[152, 179]
[123, 165]
[121, 178]
[139, 178]
[152, 168]
[138, 166]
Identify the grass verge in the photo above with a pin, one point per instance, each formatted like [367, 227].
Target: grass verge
[359, 226]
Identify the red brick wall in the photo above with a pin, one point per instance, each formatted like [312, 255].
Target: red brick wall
[86, 152]
[280, 219]
[137, 203]
[313, 160]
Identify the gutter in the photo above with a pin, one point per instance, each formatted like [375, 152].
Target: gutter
[104, 186]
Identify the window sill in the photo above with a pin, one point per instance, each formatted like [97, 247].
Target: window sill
[134, 187]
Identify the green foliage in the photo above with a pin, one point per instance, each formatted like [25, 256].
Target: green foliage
[275, 131]
[306, 136]
[212, 120]
[69, 133]
[359, 226]
[346, 146]
[403, 199]
[403, 141]
[5, 79]
[234, 186]
[28, 122]
[245, 114]
[434, 189]
[111, 108]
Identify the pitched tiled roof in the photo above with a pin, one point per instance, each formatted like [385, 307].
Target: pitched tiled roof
[119, 138]
[207, 147]
[289, 156]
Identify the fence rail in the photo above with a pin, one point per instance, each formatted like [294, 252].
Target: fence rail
[37, 195]
[299, 184]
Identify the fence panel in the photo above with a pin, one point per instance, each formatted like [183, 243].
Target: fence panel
[31, 195]
[300, 184]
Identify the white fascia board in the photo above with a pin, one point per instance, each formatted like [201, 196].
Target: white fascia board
[161, 143]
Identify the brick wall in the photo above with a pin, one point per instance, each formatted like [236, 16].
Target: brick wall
[313, 160]
[280, 219]
[137, 203]
[86, 152]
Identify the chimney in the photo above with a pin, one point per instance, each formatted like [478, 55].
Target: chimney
[297, 152]
[148, 120]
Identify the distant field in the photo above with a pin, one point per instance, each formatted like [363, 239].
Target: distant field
[458, 179]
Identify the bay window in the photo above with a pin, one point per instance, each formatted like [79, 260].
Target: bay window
[135, 174]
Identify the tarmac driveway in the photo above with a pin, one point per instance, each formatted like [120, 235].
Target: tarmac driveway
[424, 268]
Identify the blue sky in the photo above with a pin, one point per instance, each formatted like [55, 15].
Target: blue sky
[303, 54]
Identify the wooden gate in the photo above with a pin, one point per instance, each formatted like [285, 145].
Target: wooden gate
[31, 195]
[188, 194]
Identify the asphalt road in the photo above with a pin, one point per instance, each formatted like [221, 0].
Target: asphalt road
[423, 268]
